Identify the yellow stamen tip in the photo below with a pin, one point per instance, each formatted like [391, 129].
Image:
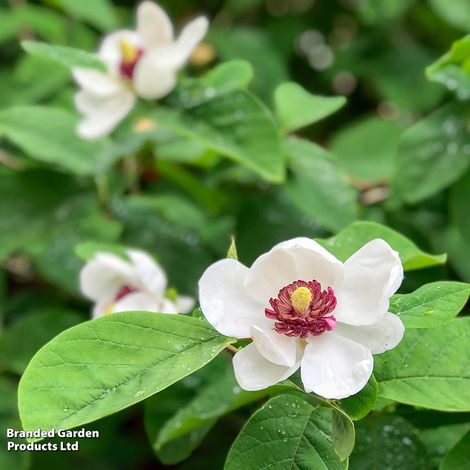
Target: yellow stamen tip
[128, 51]
[109, 310]
[301, 298]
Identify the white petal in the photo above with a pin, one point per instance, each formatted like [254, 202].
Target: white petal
[380, 337]
[96, 82]
[137, 301]
[167, 306]
[335, 367]
[224, 302]
[184, 303]
[275, 347]
[110, 48]
[104, 275]
[151, 276]
[254, 372]
[153, 25]
[154, 77]
[102, 307]
[102, 114]
[190, 37]
[371, 277]
[297, 259]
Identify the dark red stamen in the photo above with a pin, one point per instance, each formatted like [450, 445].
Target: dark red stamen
[126, 69]
[123, 291]
[313, 320]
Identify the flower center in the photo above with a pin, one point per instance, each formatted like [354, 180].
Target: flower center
[130, 56]
[302, 309]
[124, 291]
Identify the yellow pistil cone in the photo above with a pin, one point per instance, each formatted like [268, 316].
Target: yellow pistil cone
[128, 51]
[301, 298]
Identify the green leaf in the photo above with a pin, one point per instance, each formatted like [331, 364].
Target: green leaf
[67, 56]
[431, 305]
[98, 13]
[459, 457]
[105, 365]
[428, 368]
[453, 69]
[285, 433]
[433, 153]
[366, 149]
[459, 198]
[387, 443]
[87, 250]
[459, 252]
[317, 187]
[358, 406]
[221, 396]
[297, 108]
[38, 327]
[48, 135]
[236, 125]
[342, 434]
[349, 240]
[456, 13]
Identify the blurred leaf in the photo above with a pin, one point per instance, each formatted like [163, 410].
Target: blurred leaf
[48, 135]
[428, 368]
[128, 357]
[297, 108]
[459, 457]
[286, 432]
[366, 149]
[374, 11]
[457, 12]
[459, 204]
[317, 187]
[38, 327]
[459, 252]
[387, 443]
[433, 153]
[349, 240]
[99, 13]
[237, 126]
[453, 69]
[256, 47]
[87, 250]
[67, 56]
[358, 406]
[342, 434]
[431, 305]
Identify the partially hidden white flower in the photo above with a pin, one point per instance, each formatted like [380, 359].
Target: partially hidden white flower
[119, 285]
[305, 309]
[142, 63]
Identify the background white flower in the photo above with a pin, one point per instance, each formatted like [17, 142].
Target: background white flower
[304, 308]
[118, 285]
[144, 62]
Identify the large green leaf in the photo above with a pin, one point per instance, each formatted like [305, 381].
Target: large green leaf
[104, 365]
[431, 305]
[318, 188]
[459, 457]
[285, 433]
[343, 434]
[48, 135]
[349, 240]
[387, 443]
[297, 108]
[38, 327]
[433, 153]
[429, 368]
[67, 56]
[366, 149]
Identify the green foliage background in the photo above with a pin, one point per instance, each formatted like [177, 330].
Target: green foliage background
[377, 98]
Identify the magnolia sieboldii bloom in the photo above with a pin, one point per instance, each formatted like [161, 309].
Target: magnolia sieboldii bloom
[141, 63]
[304, 308]
[138, 283]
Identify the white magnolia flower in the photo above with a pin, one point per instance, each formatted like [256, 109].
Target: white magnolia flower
[141, 63]
[304, 308]
[119, 285]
